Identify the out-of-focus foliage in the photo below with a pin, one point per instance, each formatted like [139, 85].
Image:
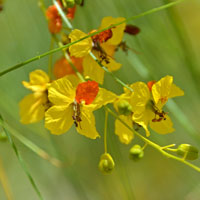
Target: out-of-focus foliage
[168, 44]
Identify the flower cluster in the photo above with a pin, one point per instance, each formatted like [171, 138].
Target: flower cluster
[68, 100]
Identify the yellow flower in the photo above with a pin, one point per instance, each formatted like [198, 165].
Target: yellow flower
[81, 48]
[104, 49]
[102, 45]
[33, 106]
[75, 105]
[147, 103]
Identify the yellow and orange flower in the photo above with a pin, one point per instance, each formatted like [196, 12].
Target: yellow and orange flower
[102, 45]
[75, 104]
[147, 102]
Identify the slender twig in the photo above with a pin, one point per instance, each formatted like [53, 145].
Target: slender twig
[20, 159]
[154, 145]
[105, 131]
[33, 147]
[17, 66]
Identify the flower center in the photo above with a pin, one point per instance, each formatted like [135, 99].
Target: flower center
[159, 116]
[87, 91]
[77, 112]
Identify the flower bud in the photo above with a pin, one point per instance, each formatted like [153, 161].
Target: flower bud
[188, 150]
[124, 108]
[131, 29]
[136, 152]
[106, 164]
[78, 2]
[70, 3]
[3, 136]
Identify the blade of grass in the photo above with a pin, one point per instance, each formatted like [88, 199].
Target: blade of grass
[33, 147]
[20, 159]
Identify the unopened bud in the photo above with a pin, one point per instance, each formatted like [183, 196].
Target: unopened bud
[78, 2]
[3, 136]
[188, 150]
[131, 29]
[70, 3]
[106, 164]
[136, 152]
[124, 108]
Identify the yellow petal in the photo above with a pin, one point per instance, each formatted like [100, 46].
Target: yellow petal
[32, 108]
[73, 79]
[109, 49]
[161, 91]
[143, 119]
[87, 125]
[38, 81]
[175, 91]
[162, 127]
[81, 48]
[112, 65]
[92, 69]
[103, 97]
[125, 134]
[117, 31]
[61, 92]
[58, 119]
[140, 97]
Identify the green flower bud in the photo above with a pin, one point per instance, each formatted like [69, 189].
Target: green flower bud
[136, 152]
[70, 3]
[78, 2]
[124, 108]
[192, 152]
[106, 164]
[3, 136]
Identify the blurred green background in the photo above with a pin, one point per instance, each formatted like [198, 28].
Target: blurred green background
[169, 44]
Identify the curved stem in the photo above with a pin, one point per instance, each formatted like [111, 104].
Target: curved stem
[154, 145]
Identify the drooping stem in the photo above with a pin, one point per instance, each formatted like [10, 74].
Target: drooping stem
[154, 145]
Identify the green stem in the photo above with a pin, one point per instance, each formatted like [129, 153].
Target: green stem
[21, 161]
[105, 131]
[17, 66]
[154, 145]
[33, 147]
[50, 60]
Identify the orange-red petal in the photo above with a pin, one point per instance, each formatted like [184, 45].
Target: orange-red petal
[63, 68]
[87, 91]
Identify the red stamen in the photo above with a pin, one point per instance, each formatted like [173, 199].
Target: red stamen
[87, 91]
[150, 84]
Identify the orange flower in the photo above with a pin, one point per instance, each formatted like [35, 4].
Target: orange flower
[55, 21]
[63, 68]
